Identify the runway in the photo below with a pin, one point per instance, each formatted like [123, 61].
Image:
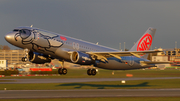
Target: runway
[75, 80]
[86, 93]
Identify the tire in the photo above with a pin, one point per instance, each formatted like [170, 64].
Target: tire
[60, 71]
[93, 72]
[89, 72]
[64, 71]
[24, 59]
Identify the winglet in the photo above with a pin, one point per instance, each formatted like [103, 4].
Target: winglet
[145, 42]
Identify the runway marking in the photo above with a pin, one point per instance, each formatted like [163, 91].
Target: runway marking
[76, 80]
[88, 93]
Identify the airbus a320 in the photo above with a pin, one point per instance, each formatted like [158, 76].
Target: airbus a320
[42, 46]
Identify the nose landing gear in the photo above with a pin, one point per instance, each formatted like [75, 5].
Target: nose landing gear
[25, 59]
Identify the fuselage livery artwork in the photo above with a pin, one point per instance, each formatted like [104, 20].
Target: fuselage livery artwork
[42, 46]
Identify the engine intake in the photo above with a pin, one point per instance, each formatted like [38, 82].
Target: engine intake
[81, 58]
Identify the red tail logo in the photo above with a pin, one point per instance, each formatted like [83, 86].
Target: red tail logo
[145, 42]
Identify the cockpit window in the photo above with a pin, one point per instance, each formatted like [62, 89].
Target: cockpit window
[15, 30]
[24, 33]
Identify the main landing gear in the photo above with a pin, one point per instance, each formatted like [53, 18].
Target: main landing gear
[62, 70]
[91, 72]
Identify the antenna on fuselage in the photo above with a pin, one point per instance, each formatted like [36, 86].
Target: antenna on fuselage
[31, 26]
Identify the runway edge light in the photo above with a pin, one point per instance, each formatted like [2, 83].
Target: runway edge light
[123, 81]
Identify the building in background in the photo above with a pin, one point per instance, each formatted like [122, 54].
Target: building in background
[161, 57]
[14, 57]
[3, 64]
[173, 56]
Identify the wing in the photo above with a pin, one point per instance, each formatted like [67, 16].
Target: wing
[119, 54]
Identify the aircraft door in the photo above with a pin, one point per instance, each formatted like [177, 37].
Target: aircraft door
[36, 36]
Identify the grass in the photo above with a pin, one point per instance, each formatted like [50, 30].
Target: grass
[103, 99]
[137, 84]
[82, 73]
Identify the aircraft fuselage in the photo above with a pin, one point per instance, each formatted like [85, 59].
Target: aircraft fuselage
[60, 47]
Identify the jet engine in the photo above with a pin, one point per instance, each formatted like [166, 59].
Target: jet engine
[38, 58]
[81, 58]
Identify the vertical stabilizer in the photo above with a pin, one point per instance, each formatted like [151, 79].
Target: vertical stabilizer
[145, 42]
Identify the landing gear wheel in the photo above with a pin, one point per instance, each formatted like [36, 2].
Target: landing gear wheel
[91, 72]
[62, 71]
[24, 59]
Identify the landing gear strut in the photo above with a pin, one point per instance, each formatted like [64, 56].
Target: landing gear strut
[62, 70]
[91, 72]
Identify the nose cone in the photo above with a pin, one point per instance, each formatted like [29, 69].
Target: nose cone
[10, 37]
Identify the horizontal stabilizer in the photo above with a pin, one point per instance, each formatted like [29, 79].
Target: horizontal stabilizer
[144, 63]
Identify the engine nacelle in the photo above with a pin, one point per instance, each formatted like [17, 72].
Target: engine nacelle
[81, 58]
[38, 58]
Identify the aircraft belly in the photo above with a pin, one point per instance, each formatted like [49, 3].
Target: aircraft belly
[62, 54]
[115, 65]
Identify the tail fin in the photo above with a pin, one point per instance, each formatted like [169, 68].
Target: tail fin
[144, 43]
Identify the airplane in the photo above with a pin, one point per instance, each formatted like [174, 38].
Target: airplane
[42, 46]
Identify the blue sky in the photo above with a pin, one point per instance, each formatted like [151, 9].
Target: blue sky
[108, 22]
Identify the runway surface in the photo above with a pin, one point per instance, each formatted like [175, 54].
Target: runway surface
[73, 80]
[17, 94]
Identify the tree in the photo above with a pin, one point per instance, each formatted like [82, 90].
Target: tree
[5, 47]
[1, 47]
